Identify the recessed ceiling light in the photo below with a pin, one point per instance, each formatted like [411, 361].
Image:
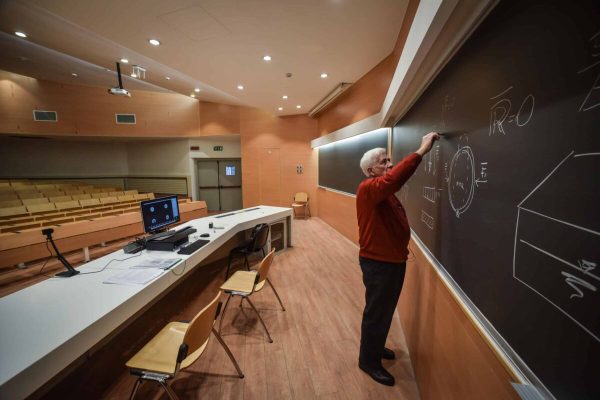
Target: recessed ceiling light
[154, 42]
[192, 95]
[20, 34]
[240, 87]
[298, 106]
[267, 58]
[124, 60]
[73, 74]
[168, 78]
[197, 90]
[284, 97]
[280, 108]
[323, 75]
[133, 75]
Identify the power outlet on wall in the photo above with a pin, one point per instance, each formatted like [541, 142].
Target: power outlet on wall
[299, 169]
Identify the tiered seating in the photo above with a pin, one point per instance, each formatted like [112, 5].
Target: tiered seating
[81, 216]
[25, 205]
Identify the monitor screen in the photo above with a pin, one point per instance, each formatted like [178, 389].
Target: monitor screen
[158, 213]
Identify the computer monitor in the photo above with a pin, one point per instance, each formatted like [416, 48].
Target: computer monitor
[159, 213]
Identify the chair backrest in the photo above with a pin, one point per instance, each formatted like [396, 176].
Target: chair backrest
[265, 266]
[301, 197]
[200, 327]
[258, 238]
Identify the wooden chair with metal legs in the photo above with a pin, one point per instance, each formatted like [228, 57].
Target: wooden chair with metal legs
[301, 201]
[244, 283]
[177, 346]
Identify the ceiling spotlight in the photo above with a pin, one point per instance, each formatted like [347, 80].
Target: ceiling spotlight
[284, 97]
[73, 74]
[197, 90]
[20, 34]
[133, 75]
[124, 60]
[298, 106]
[280, 108]
[267, 58]
[323, 75]
[154, 42]
[168, 78]
[193, 95]
[240, 87]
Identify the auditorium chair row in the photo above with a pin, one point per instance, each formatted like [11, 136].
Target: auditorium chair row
[62, 198]
[30, 244]
[46, 208]
[32, 194]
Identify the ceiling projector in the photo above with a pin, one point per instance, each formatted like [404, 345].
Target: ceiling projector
[118, 90]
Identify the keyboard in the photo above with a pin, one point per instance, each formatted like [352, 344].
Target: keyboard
[192, 247]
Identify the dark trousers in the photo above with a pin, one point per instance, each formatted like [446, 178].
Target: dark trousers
[383, 283]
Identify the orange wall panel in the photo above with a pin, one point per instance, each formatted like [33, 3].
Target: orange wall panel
[450, 358]
[339, 211]
[289, 137]
[219, 119]
[90, 111]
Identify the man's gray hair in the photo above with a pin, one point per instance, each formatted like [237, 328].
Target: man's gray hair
[369, 159]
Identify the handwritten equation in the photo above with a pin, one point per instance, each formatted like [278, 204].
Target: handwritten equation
[502, 113]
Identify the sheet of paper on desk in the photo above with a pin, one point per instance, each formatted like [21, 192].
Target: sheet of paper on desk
[160, 263]
[138, 276]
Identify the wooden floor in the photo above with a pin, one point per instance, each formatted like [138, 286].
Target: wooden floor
[315, 350]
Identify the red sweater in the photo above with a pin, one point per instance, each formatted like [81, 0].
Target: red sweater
[382, 224]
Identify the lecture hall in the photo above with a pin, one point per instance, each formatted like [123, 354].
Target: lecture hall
[299, 199]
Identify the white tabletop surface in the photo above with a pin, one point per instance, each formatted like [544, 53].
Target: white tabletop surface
[45, 327]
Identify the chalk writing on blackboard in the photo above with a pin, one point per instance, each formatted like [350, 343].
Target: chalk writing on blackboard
[428, 220]
[500, 114]
[541, 265]
[592, 99]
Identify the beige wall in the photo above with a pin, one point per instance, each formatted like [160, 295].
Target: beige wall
[158, 158]
[57, 157]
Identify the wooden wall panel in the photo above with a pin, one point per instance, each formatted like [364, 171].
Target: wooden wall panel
[260, 130]
[219, 119]
[90, 111]
[451, 360]
[366, 96]
[339, 211]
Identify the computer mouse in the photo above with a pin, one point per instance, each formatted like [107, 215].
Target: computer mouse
[205, 235]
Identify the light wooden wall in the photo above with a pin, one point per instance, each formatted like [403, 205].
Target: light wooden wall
[450, 358]
[218, 119]
[272, 146]
[339, 211]
[90, 111]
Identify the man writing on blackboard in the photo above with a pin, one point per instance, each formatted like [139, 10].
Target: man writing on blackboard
[383, 236]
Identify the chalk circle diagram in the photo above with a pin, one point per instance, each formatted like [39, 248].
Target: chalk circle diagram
[461, 180]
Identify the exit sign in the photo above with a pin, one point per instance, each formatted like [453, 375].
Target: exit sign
[218, 148]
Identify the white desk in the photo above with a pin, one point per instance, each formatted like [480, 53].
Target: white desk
[47, 326]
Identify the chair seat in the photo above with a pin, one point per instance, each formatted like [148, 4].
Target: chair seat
[241, 282]
[160, 353]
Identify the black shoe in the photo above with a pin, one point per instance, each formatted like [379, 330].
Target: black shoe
[388, 354]
[379, 374]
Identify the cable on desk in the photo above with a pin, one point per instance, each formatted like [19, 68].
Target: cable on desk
[108, 263]
[46, 262]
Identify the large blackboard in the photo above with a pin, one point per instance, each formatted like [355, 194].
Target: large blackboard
[508, 202]
[339, 162]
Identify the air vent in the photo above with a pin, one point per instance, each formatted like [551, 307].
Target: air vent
[125, 118]
[45, 116]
